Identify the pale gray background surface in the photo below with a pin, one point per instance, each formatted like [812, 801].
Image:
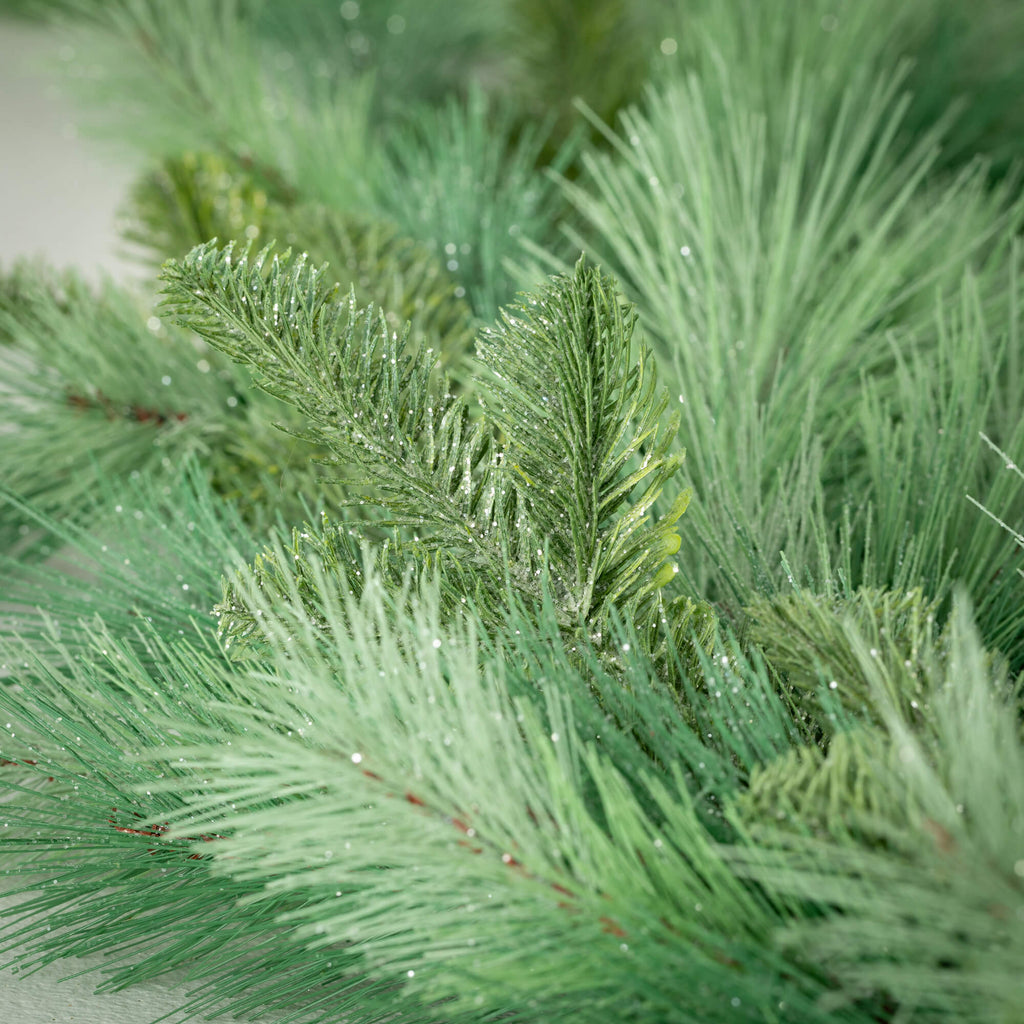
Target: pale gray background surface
[58, 195]
[58, 200]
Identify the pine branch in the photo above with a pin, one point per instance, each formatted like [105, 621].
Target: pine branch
[87, 844]
[492, 512]
[916, 899]
[771, 246]
[95, 389]
[152, 549]
[465, 883]
[468, 818]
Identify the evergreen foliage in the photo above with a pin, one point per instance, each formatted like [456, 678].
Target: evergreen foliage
[190, 200]
[356, 655]
[94, 391]
[570, 410]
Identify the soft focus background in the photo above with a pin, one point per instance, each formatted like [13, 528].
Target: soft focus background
[58, 194]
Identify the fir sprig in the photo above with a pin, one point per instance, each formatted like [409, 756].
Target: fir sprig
[574, 402]
[577, 401]
[188, 200]
[364, 395]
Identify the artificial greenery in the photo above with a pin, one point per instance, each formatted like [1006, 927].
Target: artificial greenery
[569, 408]
[369, 648]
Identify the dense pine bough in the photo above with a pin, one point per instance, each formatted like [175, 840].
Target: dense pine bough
[363, 677]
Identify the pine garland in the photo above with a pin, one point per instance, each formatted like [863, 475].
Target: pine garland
[357, 657]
